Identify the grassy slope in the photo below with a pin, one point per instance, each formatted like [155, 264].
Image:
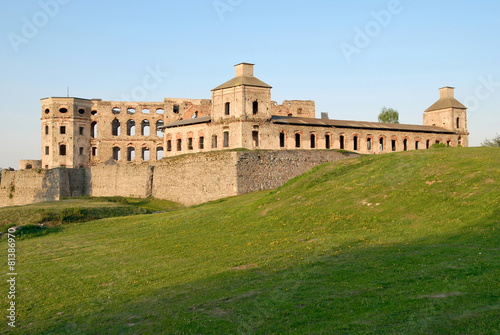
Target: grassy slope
[397, 243]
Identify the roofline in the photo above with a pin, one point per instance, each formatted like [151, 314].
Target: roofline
[67, 98]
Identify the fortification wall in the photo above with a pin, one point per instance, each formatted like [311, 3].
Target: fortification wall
[120, 180]
[265, 170]
[31, 186]
[198, 178]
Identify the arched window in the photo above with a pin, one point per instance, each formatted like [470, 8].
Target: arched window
[145, 128]
[342, 142]
[368, 144]
[255, 138]
[116, 110]
[328, 141]
[179, 144]
[313, 141]
[255, 107]
[115, 127]
[176, 109]
[297, 140]
[62, 149]
[381, 142]
[159, 111]
[405, 144]
[458, 122]
[159, 132]
[93, 112]
[227, 107]
[226, 139]
[130, 127]
[159, 153]
[355, 144]
[116, 153]
[130, 111]
[145, 111]
[282, 139]
[145, 154]
[130, 154]
[46, 130]
[93, 129]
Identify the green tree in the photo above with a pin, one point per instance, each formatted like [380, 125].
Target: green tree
[491, 143]
[388, 115]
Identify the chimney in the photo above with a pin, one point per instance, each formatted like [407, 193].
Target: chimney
[244, 69]
[447, 92]
[324, 116]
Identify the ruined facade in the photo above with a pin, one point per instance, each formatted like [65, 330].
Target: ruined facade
[79, 132]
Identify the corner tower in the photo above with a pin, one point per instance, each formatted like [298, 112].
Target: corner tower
[243, 97]
[65, 132]
[450, 114]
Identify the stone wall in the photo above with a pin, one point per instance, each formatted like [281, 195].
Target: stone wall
[120, 180]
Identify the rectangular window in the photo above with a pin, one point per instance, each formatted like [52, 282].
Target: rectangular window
[82, 131]
[427, 144]
[393, 142]
[179, 144]
[214, 141]
[342, 142]
[282, 140]
[47, 151]
[80, 151]
[327, 140]
[190, 143]
[368, 144]
[62, 130]
[62, 149]
[226, 139]
[416, 145]
[227, 108]
[313, 141]
[381, 141]
[94, 151]
[255, 138]
[46, 130]
[355, 144]
[297, 140]
[169, 145]
[202, 143]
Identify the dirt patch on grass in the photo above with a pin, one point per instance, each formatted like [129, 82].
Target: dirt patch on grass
[245, 267]
[440, 296]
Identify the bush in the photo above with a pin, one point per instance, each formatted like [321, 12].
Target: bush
[438, 145]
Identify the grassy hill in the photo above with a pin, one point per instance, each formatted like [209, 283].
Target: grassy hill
[401, 243]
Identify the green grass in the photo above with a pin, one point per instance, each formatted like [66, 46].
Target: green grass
[391, 244]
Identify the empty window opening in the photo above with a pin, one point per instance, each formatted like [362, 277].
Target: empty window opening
[169, 145]
[46, 167]
[93, 129]
[393, 144]
[416, 145]
[116, 110]
[145, 154]
[62, 130]
[80, 151]
[405, 144]
[255, 107]
[368, 144]
[190, 143]
[159, 131]
[297, 140]
[214, 141]
[290, 114]
[130, 154]
[342, 142]
[282, 140]
[130, 127]
[115, 128]
[460, 140]
[179, 144]
[29, 166]
[47, 150]
[328, 141]
[255, 138]
[299, 111]
[62, 149]
[448, 143]
[145, 128]
[437, 141]
[201, 143]
[46, 130]
[381, 142]
[116, 153]
[427, 144]
[130, 111]
[227, 108]
[81, 111]
[94, 151]
[47, 111]
[145, 111]
[62, 165]
[63, 110]
[159, 111]
[159, 153]
[355, 144]
[81, 131]
[458, 122]
[313, 141]
[93, 112]
[195, 115]
[176, 109]
[226, 140]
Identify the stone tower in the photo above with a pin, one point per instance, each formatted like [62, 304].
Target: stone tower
[243, 97]
[450, 114]
[65, 132]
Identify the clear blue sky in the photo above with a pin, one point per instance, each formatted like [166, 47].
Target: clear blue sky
[102, 49]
